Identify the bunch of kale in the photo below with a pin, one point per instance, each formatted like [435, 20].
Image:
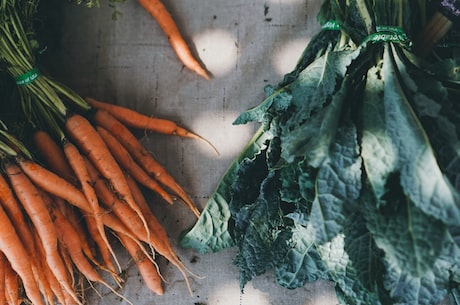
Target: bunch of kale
[354, 175]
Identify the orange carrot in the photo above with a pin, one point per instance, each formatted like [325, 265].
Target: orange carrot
[64, 228]
[73, 216]
[160, 238]
[118, 207]
[71, 242]
[146, 267]
[3, 263]
[138, 120]
[16, 215]
[125, 160]
[91, 143]
[158, 11]
[59, 187]
[33, 204]
[54, 284]
[79, 168]
[16, 254]
[141, 155]
[53, 155]
[12, 286]
[43, 282]
[103, 251]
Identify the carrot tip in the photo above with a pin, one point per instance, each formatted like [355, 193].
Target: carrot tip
[203, 73]
[211, 145]
[193, 135]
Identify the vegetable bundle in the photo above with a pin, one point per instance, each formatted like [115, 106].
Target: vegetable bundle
[72, 175]
[354, 174]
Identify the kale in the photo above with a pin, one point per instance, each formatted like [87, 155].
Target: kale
[353, 176]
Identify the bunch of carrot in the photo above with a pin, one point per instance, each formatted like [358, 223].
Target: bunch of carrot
[62, 202]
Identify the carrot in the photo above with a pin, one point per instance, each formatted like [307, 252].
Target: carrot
[57, 162]
[91, 143]
[79, 168]
[54, 284]
[42, 276]
[71, 242]
[12, 286]
[126, 161]
[72, 216]
[103, 252]
[118, 207]
[141, 155]
[43, 282]
[33, 204]
[3, 263]
[138, 120]
[64, 228]
[15, 213]
[160, 238]
[15, 252]
[158, 11]
[149, 271]
[59, 187]
[53, 155]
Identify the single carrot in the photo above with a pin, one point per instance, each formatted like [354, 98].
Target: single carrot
[53, 155]
[148, 270]
[141, 155]
[158, 11]
[78, 165]
[42, 281]
[12, 286]
[10, 204]
[33, 204]
[160, 239]
[126, 161]
[3, 263]
[102, 250]
[73, 279]
[13, 249]
[54, 184]
[91, 143]
[138, 120]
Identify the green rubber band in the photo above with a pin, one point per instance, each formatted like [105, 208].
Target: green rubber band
[27, 77]
[387, 33]
[331, 25]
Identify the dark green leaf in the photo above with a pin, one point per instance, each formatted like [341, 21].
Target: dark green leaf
[210, 232]
[338, 184]
[302, 262]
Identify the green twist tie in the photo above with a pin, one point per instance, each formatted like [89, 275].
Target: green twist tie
[27, 77]
[386, 33]
[331, 25]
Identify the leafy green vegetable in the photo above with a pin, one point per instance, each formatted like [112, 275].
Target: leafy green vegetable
[211, 230]
[357, 180]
